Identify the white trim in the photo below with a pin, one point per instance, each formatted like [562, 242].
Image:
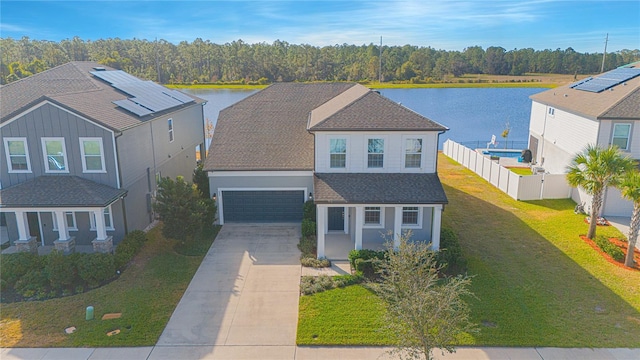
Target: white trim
[47, 102]
[45, 155]
[404, 153]
[385, 148]
[379, 225]
[219, 201]
[420, 217]
[83, 155]
[257, 173]
[26, 151]
[52, 208]
[40, 229]
[613, 132]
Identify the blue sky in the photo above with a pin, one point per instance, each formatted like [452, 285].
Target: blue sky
[448, 25]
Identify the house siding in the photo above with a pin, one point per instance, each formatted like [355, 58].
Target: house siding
[48, 120]
[257, 182]
[376, 234]
[393, 153]
[606, 135]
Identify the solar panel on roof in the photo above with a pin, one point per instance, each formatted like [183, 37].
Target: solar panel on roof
[147, 97]
[606, 80]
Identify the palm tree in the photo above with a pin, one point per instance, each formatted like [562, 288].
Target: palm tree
[630, 189]
[594, 170]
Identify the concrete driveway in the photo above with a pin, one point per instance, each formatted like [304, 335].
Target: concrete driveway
[242, 301]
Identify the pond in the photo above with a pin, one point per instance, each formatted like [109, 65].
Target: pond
[473, 115]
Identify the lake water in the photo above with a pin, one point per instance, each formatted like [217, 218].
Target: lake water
[472, 115]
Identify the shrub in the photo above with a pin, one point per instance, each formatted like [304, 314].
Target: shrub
[611, 249]
[309, 211]
[367, 267]
[308, 247]
[316, 263]
[450, 254]
[315, 284]
[308, 228]
[129, 247]
[15, 266]
[60, 270]
[365, 254]
[96, 269]
[33, 284]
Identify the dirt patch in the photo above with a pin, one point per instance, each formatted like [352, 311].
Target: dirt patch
[622, 245]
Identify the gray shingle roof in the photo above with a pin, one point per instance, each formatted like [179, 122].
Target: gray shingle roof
[620, 102]
[72, 86]
[374, 112]
[59, 191]
[378, 188]
[268, 130]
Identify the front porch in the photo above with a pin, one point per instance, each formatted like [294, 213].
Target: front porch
[337, 246]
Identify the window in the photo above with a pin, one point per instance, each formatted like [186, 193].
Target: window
[338, 153]
[413, 153]
[372, 216]
[375, 153]
[70, 220]
[108, 219]
[621, 134]
[17, 155]
[411, 216]
[55, 155]
[170, 125]
[552, 111]
[92, 155]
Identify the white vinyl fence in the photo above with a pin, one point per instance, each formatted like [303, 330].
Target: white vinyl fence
[519, 187]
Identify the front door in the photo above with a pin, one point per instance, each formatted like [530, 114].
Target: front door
[336, 218]
[34, 225]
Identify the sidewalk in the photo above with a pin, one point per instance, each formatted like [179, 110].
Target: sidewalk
[306, 353]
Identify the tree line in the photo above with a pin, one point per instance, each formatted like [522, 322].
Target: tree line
[202, 61]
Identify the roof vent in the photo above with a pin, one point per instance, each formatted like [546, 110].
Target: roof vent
[99, 68]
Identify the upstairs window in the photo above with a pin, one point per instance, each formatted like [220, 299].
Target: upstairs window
[413, 153]
[375, 153]
[55, 155]
[92, 155]
[170, 125]
[338, 153]
[621, 133]
[17, 155]
[552, 111]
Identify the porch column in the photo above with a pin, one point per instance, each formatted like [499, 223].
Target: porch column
[321, 220]
[359, 225]
[23, 225]
[63, 231]
[397, 226]
[101, 230]
[435, 228]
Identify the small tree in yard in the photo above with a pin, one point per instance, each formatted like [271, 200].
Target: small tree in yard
[424, 311]
[594, 170]
[630, 188]
[182, 209]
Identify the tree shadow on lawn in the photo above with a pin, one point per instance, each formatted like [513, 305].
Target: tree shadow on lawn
[529, 292]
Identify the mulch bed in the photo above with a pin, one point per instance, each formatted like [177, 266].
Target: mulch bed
[619, 243]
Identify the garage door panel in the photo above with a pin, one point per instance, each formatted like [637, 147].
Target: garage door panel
[262, 206]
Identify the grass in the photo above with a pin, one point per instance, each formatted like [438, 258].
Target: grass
[521, 171]
[537, 283]
[146, 294]
[344, 316]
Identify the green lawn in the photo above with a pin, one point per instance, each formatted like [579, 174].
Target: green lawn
[537, 283]
[146, 294]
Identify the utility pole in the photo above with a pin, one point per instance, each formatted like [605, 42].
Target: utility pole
[604, 55]
[380, 65]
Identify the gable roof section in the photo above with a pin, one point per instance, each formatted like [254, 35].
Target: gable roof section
[618, 102]
[70, 191]
[378, 188]
[71, 86]
[326, 110]
[268, 130]
[374, 112]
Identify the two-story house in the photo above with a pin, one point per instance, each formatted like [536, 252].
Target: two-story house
[602, 110]
[367, 162]
[82, 147]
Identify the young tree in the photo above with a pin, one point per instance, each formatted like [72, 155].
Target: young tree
[423, 311]
[181, 208]
[201, 180]
[630, 188]
[594, 170]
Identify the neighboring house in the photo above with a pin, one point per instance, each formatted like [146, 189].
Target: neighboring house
[602, 110]
[82, 147]
[367, 162]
